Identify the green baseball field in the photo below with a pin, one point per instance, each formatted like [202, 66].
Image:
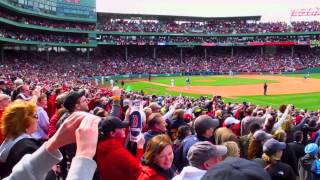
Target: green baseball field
[282, 89]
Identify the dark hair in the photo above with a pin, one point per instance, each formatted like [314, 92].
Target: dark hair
[298, 136]
[254, 127]
[183, 131]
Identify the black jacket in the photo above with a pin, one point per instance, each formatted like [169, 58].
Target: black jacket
[278, 171]
[298, 149]
[21, 148]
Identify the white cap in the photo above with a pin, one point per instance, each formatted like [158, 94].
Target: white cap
[231, 120]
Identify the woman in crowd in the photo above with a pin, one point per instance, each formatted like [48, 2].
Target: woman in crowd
[233, 149]
[271, 161]
[19, 121]
[255, 146]
[157, 160]
[288, 156]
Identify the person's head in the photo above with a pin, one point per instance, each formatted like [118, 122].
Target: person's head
[270, 120]
[261, 136]
[312, 149]
[157, 123]
[60, 100]
[236, 168]
[272, 150]
[42, 101]
[76, 101]
[204, 154]
[159, 152]
[18, 118]
[282, 108]
[255, 146]
[25, 90]
[155, 107]
[112, 127]
[287, 126]
[178, 114]
[280, 135]
[5, 100]
[204, 125]
[98, 111]
[183, 131]
[298, 136]
[231, 121]
[254, 127]
[233, 149]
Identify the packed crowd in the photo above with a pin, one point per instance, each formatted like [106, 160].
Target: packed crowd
[211, 27]
[163, 40]
[36, 36]
[73, 133]
[46, 22]
[34, 65]
[217, 27]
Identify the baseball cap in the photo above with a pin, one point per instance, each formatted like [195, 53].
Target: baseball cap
[236, 168]
[202, 151]
[72, 99]
[205, 122]
[110, 123]
[271, 146]
[261, 135]
[311, 149]
[231, 120]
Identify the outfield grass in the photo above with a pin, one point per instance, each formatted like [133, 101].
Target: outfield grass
[309, 101]
[315, 75]
[210, 81]
[304, 101]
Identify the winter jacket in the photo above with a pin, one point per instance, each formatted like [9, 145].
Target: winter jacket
[304, 167]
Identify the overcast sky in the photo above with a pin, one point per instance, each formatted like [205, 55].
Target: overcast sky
[270, 10]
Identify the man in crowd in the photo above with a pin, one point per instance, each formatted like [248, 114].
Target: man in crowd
[201, 156]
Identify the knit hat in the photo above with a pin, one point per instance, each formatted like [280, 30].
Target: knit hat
[202, 151]
[311, 149]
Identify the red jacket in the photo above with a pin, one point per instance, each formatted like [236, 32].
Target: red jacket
[148, 173]
[52, 125]
[115, 162]
[52, 109]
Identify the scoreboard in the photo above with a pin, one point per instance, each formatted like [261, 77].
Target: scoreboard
[66, 8]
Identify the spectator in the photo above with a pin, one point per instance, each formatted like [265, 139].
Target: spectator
[270, 161]
[43, 119]
[202, 156]
[305, 162]
[157, 159]
[204, 127]
[224, 134]
[19, 122]
[112, 157]
[157, 125]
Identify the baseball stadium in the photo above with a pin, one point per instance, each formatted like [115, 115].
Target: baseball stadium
[104, 89]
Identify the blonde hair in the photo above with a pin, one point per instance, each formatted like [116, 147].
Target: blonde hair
[17, 117]
[155, 146]
[233, 149]
[269, 159]
[280, 135]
